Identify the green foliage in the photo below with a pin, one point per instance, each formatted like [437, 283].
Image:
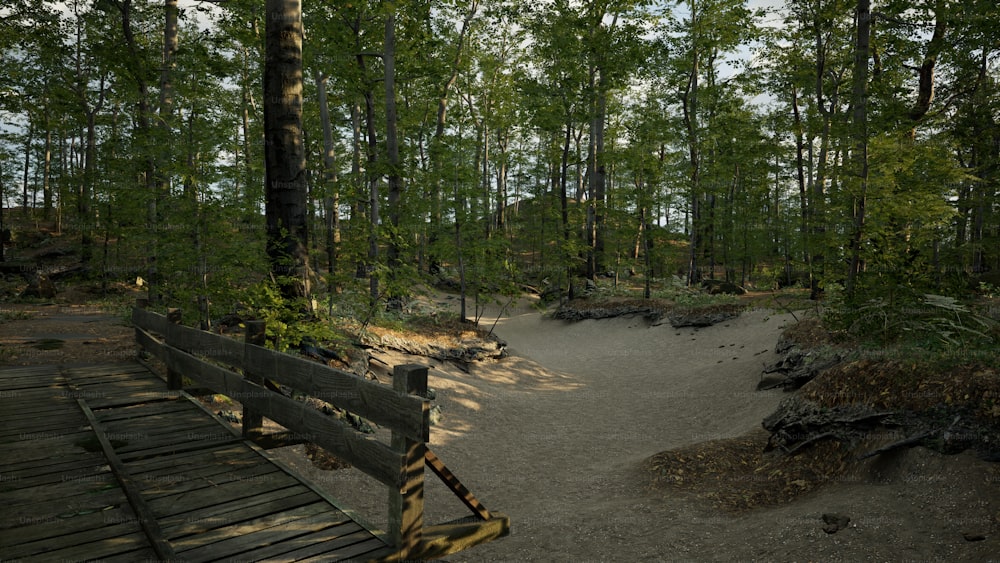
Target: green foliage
[936, 322]
[286, 324]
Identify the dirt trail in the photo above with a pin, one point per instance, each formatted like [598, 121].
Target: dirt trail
[559, 449]
[562, 443]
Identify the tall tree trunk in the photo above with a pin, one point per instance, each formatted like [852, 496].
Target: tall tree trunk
[284, 154]
[925, 72]
[860, 133]
[359, 203]
[394, 260]
[47, 173]
[25, 207]
[436, 144]
[690, 110]
[332, 199]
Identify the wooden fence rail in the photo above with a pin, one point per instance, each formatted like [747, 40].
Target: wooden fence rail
[210, 359]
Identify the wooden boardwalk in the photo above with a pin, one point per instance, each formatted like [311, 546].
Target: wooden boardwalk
[103, 462]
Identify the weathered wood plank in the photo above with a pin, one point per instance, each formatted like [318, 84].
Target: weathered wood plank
[364, 452]
[406, 502]
[247, 509]
[99, 549]
[62, 489]
[314, 543]
[191, 469]
[226, 492]
[249, 543]
[72, 505]
[202, 443]
[368, 550]
[56, 461]
[46, 475]
[165, 407]
[259, 475]
[456, 486]
[380, 404]
[146, 519]
[49, 544]
[217, 454]
[406, 414]
[229, 539]
[35, 530]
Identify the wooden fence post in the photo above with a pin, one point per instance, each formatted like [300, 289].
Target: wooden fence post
[205, 321]
[406, 504]
[140, 303]
[253, 421]
[174, 379]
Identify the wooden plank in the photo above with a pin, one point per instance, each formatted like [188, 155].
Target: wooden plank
[226, 492]
[258, 475]
[253, 420]
[218, 454]
[378, 403]
[166, 406]
[48, 544]
[225, 514]
[249, 543]
[61, 489]
[314, 543]
[368, 550]
[206, 442]
[227, 540]
[364, 452]
[41, 446]
[68, 507]
[45, 474]
[193, 471]
[455, 486]
[444, 539]
[406, 502]
[146, 519]
[35, 530]
[185, 466]
[99, 549]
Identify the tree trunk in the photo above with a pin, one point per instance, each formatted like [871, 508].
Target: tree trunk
[925, 73]
[284, 160]
[860, 133]
[47, 174]
[690, 109]
[332, 200]
[27, 164]
[394, 260]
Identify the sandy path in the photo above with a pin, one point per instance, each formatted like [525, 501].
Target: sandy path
[562, 444]
[559, 449]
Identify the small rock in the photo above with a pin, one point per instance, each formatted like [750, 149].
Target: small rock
[833, 522]
[435, 415]
[972, 536]
[229, 416]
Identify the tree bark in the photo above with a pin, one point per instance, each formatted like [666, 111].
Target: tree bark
[860, 133]
[284, 160]
[332, 200]
[393, 258]
[690, 110]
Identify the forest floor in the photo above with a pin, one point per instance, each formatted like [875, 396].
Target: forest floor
[624, 440]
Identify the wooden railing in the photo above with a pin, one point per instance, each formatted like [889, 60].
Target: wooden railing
[206, 358]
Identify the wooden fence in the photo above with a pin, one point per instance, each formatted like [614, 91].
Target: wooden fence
[207, 360]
